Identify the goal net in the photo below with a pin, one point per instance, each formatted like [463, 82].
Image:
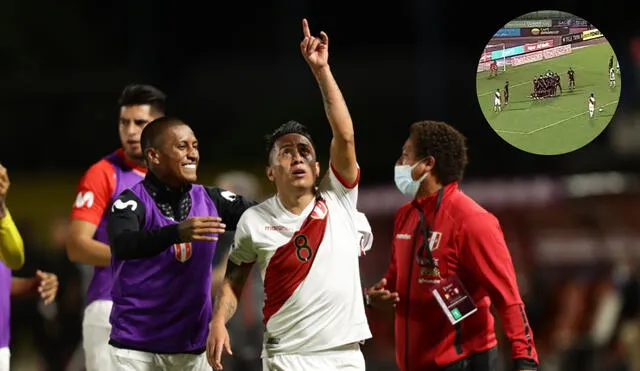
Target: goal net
[493, 52]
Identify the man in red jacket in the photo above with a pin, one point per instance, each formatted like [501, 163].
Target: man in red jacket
[442, 287]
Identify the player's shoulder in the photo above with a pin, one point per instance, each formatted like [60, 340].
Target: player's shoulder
[127, 199]
[98, 180]
[260, 211]
[100, 168]
[129, 195]
[217, 192]
[465, 211]
[462, 206]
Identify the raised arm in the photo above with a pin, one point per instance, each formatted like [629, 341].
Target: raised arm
[343, 153]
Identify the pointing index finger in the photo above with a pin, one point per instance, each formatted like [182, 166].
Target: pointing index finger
[305, 28]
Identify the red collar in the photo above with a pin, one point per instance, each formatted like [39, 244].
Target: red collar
[431, 199]
[129, 163]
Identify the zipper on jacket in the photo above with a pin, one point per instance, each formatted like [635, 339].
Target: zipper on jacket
[527, 329]
[458, 340]
[406, 347]
[411, 262]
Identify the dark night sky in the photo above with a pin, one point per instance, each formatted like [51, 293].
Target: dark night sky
[234, 72]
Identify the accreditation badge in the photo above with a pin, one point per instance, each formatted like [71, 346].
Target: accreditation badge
[454, 299]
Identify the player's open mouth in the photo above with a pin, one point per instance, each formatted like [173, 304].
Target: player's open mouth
[299, 173]
[189, 166]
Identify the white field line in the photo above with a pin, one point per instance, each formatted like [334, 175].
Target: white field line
[550, 125]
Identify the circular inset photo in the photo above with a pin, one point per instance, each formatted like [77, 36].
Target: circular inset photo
[548, 82]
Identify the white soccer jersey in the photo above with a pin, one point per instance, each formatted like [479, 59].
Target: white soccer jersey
[612, 74]
[323, 307]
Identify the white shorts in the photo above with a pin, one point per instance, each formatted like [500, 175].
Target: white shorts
[95, 335]
[496, 102]
[347, 357]
[5, 358]
[135, 360]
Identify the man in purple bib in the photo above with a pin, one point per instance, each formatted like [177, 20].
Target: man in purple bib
[97, 189]
[163, 235]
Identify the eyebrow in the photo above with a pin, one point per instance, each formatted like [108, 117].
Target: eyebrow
[287, 145]
[195, 141]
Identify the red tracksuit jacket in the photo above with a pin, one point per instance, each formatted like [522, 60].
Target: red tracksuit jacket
[471, 245]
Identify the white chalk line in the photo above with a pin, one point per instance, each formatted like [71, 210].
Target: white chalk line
[511, 86]
[550, 125]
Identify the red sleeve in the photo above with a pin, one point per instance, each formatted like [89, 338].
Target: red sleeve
[95, 189]
[484, 252]
[391, 274]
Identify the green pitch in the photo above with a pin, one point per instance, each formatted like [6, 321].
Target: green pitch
[559, 124]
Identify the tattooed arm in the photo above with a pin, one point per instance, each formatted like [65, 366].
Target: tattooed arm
[226, 303]
[238, 267]
[226, 300]
[342, 153]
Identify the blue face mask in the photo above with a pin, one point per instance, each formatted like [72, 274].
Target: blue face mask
[405, 182]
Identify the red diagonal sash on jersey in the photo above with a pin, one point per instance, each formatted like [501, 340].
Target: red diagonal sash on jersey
[291, 263]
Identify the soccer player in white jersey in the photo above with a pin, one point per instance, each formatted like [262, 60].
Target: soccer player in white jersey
[497, 101]
[612, 77]
[592, 105]
[306, 241]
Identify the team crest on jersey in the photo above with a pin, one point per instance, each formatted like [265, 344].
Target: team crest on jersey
[434, 240]
[320, 210]
[182, 251]
[430, 274]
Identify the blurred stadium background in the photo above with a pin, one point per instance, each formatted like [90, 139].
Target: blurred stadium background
[572, 221]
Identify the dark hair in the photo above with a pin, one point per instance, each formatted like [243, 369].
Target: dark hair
[155, 129]
[443, 142]
[289, 127]
[139, 94]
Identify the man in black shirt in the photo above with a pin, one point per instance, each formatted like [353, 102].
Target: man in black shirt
[572, 81]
